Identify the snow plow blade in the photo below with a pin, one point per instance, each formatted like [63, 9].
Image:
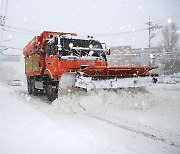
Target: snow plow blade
[114, 77]
[123, 71]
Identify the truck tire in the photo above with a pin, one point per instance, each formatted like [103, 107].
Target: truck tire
[29, 87]
[51, 91]
[34, 89]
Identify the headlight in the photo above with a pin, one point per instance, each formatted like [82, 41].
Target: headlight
[90, 46]
[70, 45]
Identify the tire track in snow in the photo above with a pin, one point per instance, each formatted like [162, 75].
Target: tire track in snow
[132, 130]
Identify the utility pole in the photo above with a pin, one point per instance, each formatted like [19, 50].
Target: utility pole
[151, 28]
[2, 20]
[2, 23]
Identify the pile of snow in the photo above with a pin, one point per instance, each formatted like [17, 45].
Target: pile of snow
[102, 100]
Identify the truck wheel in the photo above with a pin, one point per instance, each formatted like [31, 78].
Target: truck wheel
[29, 87]
[51, 91]
[33, 88]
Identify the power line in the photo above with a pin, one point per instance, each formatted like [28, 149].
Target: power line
[31, 32]
[133, 31]
[17, 32]
[22, 29]
[120, 33]
[168, 17]
[7, 47]
[15, 48]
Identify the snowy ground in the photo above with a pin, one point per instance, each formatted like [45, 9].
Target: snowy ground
[144, 121]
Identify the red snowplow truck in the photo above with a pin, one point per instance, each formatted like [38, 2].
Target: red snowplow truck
[55, 61]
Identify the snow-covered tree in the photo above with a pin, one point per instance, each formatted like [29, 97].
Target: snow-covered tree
[170, 47]
[170, 37]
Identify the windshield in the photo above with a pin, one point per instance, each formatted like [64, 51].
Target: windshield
[80, 47]
[80, 43]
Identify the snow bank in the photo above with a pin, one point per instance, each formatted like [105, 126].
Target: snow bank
[102, 100]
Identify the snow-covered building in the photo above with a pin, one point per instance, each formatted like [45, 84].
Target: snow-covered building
[120, 56]
[128, 56]
[144, 56]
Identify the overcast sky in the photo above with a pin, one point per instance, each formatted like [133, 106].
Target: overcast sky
[87, 17]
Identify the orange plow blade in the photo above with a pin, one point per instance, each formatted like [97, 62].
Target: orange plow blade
[123, 71]
[114, 77]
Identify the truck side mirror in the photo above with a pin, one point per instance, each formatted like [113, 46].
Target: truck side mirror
[108, 51]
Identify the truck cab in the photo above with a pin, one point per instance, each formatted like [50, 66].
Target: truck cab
[66, 54]
[75, 47]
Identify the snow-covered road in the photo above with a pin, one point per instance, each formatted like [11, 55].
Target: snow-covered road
[95, 122]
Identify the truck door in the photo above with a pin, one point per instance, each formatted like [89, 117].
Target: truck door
[51, 61]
